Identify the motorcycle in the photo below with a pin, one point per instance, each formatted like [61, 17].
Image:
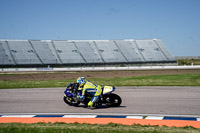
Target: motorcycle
[107, 96]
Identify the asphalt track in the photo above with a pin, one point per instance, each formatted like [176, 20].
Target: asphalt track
[165, 100]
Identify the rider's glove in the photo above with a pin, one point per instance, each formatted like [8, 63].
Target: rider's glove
[80, 98]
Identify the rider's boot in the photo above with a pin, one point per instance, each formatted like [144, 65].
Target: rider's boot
[91, 105]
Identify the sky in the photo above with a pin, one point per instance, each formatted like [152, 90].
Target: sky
[175, 22]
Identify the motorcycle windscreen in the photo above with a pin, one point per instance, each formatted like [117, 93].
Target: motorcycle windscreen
[108, 89]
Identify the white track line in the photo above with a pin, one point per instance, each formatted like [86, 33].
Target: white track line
[134, 117]
[79, 116]
[154, 118]
[21, 116]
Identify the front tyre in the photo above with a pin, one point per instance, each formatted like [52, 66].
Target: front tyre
[70, 101]
[112, 100]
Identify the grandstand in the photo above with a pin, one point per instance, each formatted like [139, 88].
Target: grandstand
[83, 52]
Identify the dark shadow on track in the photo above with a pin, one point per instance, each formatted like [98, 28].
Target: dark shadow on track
[99, 107]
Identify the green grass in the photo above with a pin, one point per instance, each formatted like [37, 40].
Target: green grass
[33, 84]
[188, 61]
[158, 80]
[88, 128]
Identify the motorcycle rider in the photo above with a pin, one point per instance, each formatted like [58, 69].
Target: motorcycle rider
[86, 86]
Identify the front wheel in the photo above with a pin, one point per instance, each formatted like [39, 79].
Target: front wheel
[70, 101]
[112, 100]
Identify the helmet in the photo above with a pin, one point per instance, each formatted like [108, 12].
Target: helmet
[81, 81]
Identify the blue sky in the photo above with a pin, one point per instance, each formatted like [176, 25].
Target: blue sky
[176, 22]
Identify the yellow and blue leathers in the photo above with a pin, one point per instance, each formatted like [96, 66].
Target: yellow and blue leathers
[94, 90]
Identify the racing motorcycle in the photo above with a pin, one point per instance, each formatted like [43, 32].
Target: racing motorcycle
[107, 96]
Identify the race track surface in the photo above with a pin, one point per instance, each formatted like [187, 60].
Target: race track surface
[135, 100]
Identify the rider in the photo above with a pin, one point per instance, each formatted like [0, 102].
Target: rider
[86, 86]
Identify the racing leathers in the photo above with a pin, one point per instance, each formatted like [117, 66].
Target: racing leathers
[94, 90]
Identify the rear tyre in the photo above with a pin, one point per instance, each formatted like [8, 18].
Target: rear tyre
[112, 100]
[70, 101]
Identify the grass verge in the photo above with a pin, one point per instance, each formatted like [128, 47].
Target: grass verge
[188, 61]
[157, 80]
[89, 128]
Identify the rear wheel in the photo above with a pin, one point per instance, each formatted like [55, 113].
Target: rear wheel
[70, 101]
[112, 100]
